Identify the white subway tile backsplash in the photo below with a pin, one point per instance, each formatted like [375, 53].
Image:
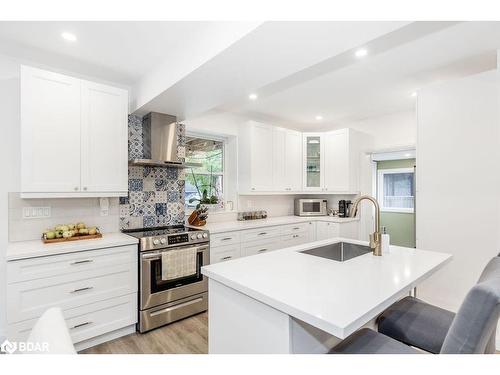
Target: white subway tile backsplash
[63, 210]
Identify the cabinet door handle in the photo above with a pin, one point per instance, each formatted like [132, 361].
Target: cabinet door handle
[81, 325]
[296, 228]
[227, 258]
[262, 233]
[226, 238]
[81, 261]
[295, 235]
[261, 250]
[85, 188]
[76, 188]
[82, 289]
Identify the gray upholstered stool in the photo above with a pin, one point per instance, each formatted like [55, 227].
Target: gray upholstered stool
[413, 322]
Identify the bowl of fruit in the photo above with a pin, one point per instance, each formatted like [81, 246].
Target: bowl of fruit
[70, 232]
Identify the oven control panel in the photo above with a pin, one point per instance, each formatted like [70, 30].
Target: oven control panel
[170, 240]
[178, 239]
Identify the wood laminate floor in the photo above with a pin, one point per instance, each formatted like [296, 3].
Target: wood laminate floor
[187, 336]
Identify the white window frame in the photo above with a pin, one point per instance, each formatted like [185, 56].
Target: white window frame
[190, 209]
[380, 190]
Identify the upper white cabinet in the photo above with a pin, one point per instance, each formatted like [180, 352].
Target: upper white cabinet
[255, 155]
[287, 155]
[104, 138]
[73, 136]
[313, 161]
[269, 159]
[331, 161]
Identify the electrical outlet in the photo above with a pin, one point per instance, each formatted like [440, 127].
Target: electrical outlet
[36, 212]
[104, 205]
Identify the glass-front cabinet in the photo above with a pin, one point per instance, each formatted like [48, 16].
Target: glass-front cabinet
[313, 165]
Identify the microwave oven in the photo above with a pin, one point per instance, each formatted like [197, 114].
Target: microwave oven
[310, 207]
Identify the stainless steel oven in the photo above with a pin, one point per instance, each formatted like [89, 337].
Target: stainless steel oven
[164, 301]
[310, 207]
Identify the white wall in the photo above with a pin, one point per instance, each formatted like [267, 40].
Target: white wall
[390, 131]
[458, 182]
[9, 154]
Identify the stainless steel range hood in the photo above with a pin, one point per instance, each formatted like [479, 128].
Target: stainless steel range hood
[161, 141]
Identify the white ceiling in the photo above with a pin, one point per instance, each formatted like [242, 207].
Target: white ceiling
[118, 51]
[299, 69]
[381, 83]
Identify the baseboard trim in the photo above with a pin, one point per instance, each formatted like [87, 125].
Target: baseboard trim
[82, 345]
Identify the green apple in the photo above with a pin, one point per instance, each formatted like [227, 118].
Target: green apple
[50, 235]
[93, 230]
[59, 233]
[83, 231]
[81, 226]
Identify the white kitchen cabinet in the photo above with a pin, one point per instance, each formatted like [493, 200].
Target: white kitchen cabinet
[95, 289]
[337, 164]
[311, 230]
[331, 161]
[73, 136]
[313, 162]
[327, 230]
[104, 156]
[50, 132]
[287, 157]
[255, 155]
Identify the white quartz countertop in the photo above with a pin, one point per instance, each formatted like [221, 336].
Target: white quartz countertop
[36, 248]
[336, 297]
[229, 226]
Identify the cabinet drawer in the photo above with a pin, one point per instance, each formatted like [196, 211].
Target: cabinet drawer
[29, 299]
[88, 321]
[223, 239]
[72, 264]
[258, 247]
[294, 239]
[259, 234]
[225, 253]
[294, 228]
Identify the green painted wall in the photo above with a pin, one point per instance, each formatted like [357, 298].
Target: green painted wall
[400, 226]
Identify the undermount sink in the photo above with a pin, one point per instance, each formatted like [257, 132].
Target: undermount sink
[340, 251]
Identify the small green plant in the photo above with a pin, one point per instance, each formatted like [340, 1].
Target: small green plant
[206, 196]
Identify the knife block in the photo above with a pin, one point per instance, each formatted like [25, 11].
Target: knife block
[195, 220]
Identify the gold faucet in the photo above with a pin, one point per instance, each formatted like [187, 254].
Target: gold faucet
[375, 237]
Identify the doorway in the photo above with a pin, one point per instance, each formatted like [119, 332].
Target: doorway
[395, 192]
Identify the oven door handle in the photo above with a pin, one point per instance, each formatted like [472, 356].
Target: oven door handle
[157, 254]
[149, 256]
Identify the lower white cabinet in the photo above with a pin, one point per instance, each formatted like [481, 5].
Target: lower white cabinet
[326, 230]
[235, 244]
[96, 291]
[261, 246]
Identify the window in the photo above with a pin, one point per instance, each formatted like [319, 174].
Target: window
[209, 176]
[395, 190]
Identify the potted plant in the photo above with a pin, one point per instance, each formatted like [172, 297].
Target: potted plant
[207, 194]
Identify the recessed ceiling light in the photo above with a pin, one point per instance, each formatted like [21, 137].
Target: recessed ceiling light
[413, 94]
[361, 52]
[319, 117]
[407, 155]
[68, 36]
[253, 96]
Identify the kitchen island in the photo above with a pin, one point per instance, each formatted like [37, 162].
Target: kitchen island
[287, 301]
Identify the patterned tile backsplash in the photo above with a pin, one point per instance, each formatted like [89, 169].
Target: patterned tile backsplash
[156, 194]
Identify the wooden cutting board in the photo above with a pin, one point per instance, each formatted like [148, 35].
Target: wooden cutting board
[75, 238]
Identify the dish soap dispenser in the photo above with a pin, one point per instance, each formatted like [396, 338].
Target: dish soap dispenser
[385, 239]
